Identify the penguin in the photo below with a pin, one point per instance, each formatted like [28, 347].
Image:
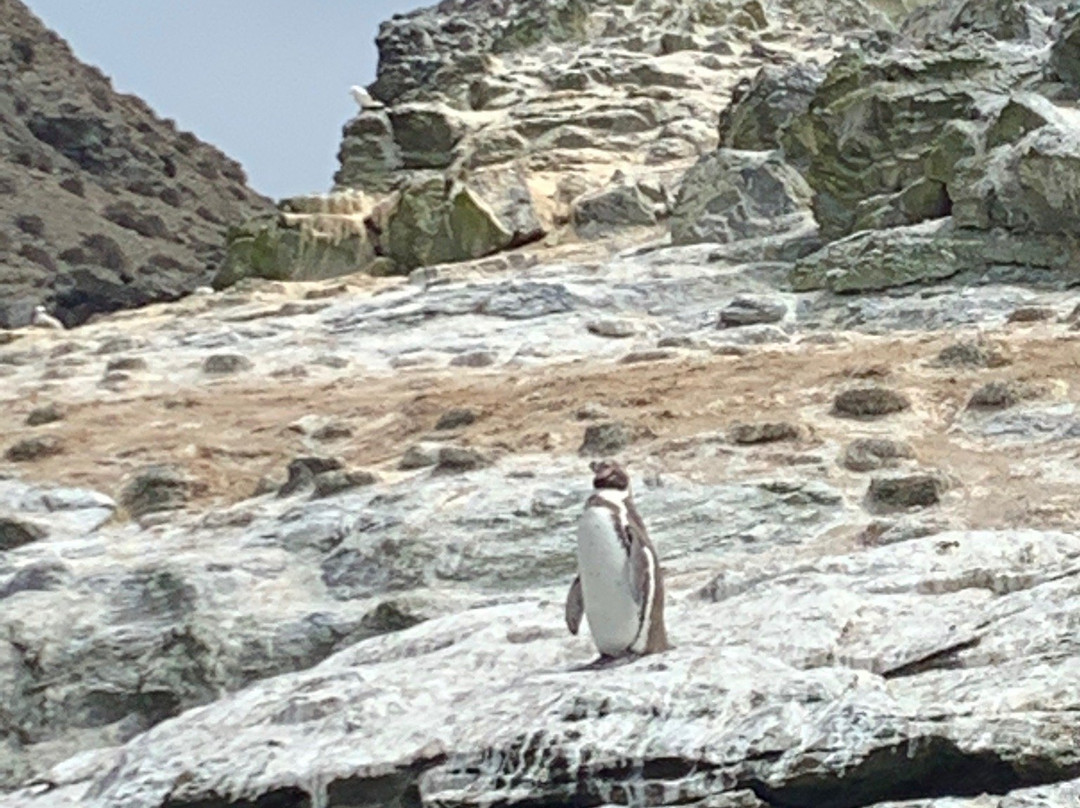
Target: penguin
[619, 586]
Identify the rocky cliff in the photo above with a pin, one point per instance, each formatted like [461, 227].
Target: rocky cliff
[305, 545]
[103, 205]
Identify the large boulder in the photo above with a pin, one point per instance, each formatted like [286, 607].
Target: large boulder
[874, 260]
[731, 195]
[438, 221]
[1030, 186]
[312, 238]
[876, 122]
[762, 107]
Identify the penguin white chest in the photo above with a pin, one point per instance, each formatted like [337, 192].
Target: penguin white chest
[604, 568]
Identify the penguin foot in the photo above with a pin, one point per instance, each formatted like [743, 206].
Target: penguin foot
[605, 661]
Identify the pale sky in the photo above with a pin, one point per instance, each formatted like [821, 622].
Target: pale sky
[266, 81]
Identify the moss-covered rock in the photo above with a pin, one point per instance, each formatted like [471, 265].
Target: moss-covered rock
[312, 238]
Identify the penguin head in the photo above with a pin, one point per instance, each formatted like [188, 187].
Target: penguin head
[609, 474]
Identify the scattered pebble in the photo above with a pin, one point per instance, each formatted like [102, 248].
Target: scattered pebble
[455, 419]
[304, 470]
[156, 488]
[35, 448]
[15, 532]
[223, 364]
[870, 454]
[869, 402]
[45, 414]
[457, 459]
[901, 493]
[334, 482]
[605, 439]
[763, 432]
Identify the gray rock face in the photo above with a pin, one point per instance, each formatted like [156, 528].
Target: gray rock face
[762, 107]
[103, 205]
[731, 195]
[834, 693]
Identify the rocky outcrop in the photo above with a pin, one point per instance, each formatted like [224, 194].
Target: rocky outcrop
[103, 205]
[499, 122]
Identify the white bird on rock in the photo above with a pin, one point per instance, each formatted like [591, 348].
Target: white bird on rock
[363, 98]
[42, 319]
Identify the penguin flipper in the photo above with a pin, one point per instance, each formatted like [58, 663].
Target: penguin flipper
[643, 565]
[575, 606]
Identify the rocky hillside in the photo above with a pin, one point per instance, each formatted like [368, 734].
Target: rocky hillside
[306, 545]
[103, 205]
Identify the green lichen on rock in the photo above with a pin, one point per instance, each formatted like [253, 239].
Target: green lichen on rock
[300, 248]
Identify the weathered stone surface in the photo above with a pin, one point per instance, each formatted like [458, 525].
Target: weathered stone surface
[434, 224]
[623, 205]
[907, 625]
[925, 253]
[762, 107]
[875, 120]
[733, 195]
[326, 238]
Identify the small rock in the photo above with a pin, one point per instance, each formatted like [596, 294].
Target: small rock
[119, 345]
[1031, 314]
[334, 482]
[331, 361]
[304, 470]
[456, 459]
[591, 412]
[747, 310]
[335, 430]
[648, 355]
[455, 418]
[126, 363]
[607, 438]
[901, 493]
[34, 449]
[474, 359]
[390, 616]
[46, 414]
[969, 354]
[998, 395]
[419, 457]
[615, 329]
[156, 488]
[764, 432]
[223, 364]
[869, 402]
[869, 454]
[15, 532]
